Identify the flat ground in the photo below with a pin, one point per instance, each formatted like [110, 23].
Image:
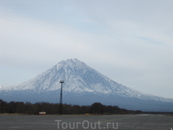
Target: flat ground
[90, 122]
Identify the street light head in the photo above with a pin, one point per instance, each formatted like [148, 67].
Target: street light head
[62, 81]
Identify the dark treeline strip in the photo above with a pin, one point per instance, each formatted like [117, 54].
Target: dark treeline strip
[53, 108]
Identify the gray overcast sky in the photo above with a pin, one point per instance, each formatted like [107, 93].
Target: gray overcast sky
[129, 41]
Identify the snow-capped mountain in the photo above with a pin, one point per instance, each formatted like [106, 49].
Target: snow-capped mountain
[82, 85]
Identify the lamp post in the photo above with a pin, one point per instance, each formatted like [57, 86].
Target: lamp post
[60, 104]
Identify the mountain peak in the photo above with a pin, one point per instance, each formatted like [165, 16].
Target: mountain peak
[70, 60]
[72, 63]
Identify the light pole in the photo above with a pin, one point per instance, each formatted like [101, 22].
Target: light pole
[60, 104]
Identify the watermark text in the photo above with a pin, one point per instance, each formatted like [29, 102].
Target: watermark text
[85, 124]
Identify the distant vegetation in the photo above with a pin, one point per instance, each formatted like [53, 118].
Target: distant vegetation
[51, 108]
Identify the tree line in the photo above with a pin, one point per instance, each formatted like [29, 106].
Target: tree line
[54, 108]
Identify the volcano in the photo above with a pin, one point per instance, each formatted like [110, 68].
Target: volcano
[82, 86]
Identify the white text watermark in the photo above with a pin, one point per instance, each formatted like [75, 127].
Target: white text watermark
[85, 125]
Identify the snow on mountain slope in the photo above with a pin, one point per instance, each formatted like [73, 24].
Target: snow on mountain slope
[80, 78]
